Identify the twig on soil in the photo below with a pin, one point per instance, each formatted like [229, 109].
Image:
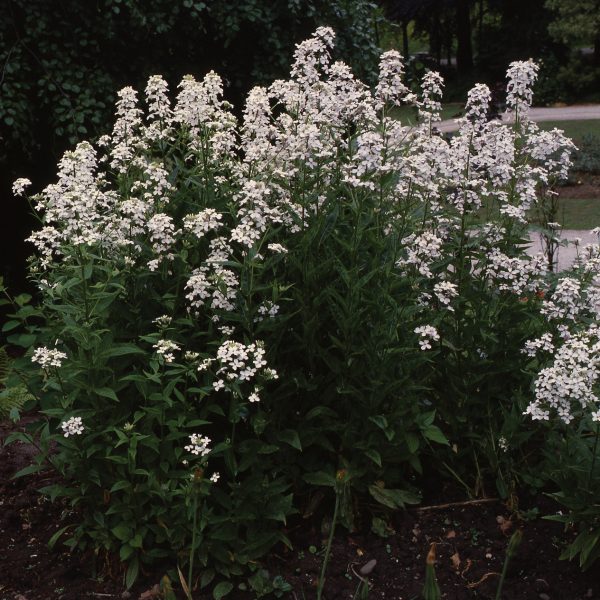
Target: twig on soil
[478, 583]
[454, 504]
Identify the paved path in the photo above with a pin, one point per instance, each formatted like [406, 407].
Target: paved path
[566, 254]
[563, 113]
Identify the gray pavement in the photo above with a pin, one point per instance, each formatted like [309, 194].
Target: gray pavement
[566, 254]
[561, 113]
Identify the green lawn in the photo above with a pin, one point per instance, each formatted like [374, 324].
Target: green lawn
[573, 129]
[407, 115]
[579, 213]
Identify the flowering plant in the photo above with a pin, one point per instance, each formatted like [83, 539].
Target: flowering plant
[316, 288]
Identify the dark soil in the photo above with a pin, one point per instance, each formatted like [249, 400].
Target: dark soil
[471, 544]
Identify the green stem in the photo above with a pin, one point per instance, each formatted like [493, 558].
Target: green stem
[594, 453]
[329, 542]
[502, 577]
[193, 548]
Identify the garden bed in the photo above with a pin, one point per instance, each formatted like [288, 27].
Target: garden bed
[471, 545]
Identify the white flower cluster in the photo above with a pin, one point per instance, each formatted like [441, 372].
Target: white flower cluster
[566, 301]
[201, 223]
[543, 343]
[238, 362]
[213, 280]
[519, 92]
[391, 88]
[421, 251]
[20, 185]
[47, 357]
[268, 310]
[514, 274]
[198, 445]
[277, 249]
[163, 321]
[567, 385]
[166, 349]
[445, 292]
[427, 334]
[162, 234]
[72, 426]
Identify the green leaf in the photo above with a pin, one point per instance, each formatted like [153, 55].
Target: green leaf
[106, 392]
[374, 456]
[120, 485]
[207, 576]
[27, 471]
[122, 532]
[222, 589]
[434, 433]
[24, 340]
[290, 437]
[320, 478]
[412, 441]
[125, 552]
[393, 498]
[132, 572]
[52, 541]
[122, 350]
[10, 325]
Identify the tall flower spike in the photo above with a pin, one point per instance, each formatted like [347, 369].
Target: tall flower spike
[521, 76]
[390, 86]
[313, 55]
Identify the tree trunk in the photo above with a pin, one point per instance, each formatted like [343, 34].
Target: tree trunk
[435, 39]
[597, 50]
[464, 50]
[405, 38]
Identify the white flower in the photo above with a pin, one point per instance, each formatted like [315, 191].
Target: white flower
[72, 426]
[519, 92]
[568, 385]
[445, 292]
[254, 397]
[277, 248]
[215, 477]
[218, 385]
[163, 321]
[198, 445]
[544, 342]
[201, 223]
[20, 185]
[48, 358]
[428, 334]
[166, 348]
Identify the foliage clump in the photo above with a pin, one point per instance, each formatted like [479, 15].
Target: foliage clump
[233, 312]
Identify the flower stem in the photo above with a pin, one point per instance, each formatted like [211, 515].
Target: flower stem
[329, 543]
[193, 548]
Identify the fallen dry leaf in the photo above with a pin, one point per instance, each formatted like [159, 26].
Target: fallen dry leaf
[455, 558]
[451, 534]
[468, 565]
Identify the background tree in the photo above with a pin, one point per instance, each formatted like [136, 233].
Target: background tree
[576, 21]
